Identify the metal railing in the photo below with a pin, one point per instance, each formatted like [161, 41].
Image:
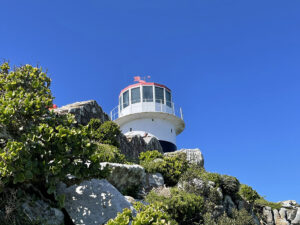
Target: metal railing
[146, 106]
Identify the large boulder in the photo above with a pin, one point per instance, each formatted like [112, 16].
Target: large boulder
[193, 156]
[40, 212]
[92, 201]
[280, 217]
[128, 179]
[268, 215]
[153, 180]
[84, 111]
[133, 143]
[296, 220]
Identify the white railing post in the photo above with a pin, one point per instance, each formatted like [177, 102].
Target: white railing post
[111, 118]
[181, 115]
[173, 108]
[161, 105]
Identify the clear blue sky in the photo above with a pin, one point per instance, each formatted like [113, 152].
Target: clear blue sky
[233, 66]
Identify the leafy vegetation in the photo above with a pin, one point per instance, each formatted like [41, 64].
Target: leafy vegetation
[185, 208]
[171, 167]
[264, 202]
[146, 215]
[239, 217]
[248, 193]
[43, 147]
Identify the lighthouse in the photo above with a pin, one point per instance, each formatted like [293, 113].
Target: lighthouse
[146, 108]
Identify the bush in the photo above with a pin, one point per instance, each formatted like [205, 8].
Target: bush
[107, 153]
[147, 215]
[241, 217]
[185, 208]
[248, 193]
[44, 147]
[171, 167]
[105, 133]
[230, 185]
[149, 156]
[263, 202]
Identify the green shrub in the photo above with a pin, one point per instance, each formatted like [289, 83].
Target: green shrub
[239, 217]
[263, 202]
[107, 153]
[149, 156]
[185, 208]
[248, 193]
[44, 147]
[171, 167]
[146, 215]
[105, 133]
[230, 185]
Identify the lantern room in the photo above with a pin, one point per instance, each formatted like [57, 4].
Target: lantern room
[148, 107]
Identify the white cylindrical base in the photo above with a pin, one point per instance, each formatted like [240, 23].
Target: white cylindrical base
[162, 129]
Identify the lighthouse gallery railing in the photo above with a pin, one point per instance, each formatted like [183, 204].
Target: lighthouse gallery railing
[146, 106]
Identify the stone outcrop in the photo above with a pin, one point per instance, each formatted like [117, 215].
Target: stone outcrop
[193, 156]
[289, 214]
[126, 178]
[93, 201]
[132, 145]
[153, 180]
[84, 111]
[40, 212]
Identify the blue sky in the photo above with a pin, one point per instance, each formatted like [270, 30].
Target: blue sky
[233, 66]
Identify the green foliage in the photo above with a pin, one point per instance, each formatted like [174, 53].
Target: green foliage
[149, 156]
[171, 167]
[105, 133]
[239, 217]
[146, 215]
[263, 202]
[24, 97]
[45, 147]
[107, 153]
[230, 185]
[248, 193]
[185, 208]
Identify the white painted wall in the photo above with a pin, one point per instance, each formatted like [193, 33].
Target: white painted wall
[158, 127]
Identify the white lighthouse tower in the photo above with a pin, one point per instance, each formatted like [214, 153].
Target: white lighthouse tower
[147, 108]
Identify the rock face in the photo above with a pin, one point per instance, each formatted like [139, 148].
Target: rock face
[193, 156]
[41, 212]
[93, 201]
[289, 214]
[126, 178]
[132, 144]
[84, 111]
[153, 180]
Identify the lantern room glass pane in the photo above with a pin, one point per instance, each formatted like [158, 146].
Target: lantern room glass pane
[168, 99]
[125, 99]
[135, 95]
[147, 94]
[120, 102]
[159, 95]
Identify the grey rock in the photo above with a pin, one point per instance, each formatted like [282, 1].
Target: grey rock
[133, 144]
[296, 221]
[291, 214]
[193, 156]
[84, 111]
[279, 217]
[126, 178]
[153, 180]
[41, 212]
[292, 204]
[93, 201]
[268, 215]
[228, 205]
[218, 211]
